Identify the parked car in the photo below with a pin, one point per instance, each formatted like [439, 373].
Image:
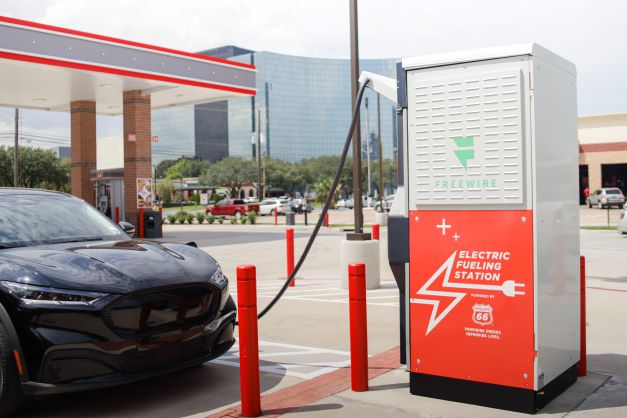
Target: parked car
[385, 204]
[232, 207]
[606, 197]
[344, 204]
[84, 306]
[300, 206]
[622, 221]
[269, 206]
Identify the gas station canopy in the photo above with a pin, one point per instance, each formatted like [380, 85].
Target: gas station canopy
[47, 67]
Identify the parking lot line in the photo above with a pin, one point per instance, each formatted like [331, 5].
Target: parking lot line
[299, 361]
[328, 291]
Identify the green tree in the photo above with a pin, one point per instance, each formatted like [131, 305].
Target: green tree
[323, 188]
[284, 175]
[165, 191]
[325, 167]
[38, 168]
[186, 167]
[231, 173]
[163, 167]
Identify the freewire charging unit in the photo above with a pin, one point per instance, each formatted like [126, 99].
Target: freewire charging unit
[490, 214]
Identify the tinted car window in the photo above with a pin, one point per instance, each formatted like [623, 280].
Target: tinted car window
[612, 191]
[29, 219]
[238, 202]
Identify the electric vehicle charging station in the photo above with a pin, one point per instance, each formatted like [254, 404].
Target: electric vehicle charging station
[484, 230]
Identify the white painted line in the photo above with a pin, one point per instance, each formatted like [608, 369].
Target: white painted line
[288, 366]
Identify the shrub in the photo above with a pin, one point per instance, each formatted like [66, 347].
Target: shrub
[221, 219]
[180, 218]
[190, 218]
[200, 217]
[243, 220]
[172, 219]
[233, 220]
[252, 217]
[210, 218]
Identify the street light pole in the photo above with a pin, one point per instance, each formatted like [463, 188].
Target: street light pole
[368, 151]
[259, 183]
[354, 39]
[16, 164]
[381, 183]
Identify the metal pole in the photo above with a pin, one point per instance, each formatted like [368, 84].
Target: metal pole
[359, 220]
[181, 193]
[368, 152]
[16, 164]
[381, 183]
[259, 185]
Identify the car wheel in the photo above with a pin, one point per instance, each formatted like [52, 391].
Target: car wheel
[589, 204]
[237, 214]
[272, 212]
[11, 395]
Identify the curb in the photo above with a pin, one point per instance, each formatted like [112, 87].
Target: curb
[305, 393]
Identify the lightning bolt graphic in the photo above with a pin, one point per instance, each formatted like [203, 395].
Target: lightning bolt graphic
[424, 290]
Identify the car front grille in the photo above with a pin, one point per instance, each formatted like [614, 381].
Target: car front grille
[162, 310]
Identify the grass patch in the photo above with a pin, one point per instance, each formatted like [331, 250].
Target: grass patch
[600, 228]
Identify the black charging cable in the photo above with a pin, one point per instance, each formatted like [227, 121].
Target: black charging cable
[325, 208]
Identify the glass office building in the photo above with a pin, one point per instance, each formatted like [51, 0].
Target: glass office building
[303, 107]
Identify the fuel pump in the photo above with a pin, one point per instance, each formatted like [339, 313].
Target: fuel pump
[109, 189]
[484, 229]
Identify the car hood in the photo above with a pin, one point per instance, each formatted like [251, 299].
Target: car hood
[111, 267]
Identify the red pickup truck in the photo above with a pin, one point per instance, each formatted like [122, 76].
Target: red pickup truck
[232, 207]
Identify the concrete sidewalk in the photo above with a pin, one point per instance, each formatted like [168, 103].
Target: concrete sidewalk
[603, 393]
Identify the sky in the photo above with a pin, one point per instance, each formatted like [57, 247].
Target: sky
[592, 34]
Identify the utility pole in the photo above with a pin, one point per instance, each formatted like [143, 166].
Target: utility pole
[381, 182]
[16, 164]
[259, 182]
[368, 152]
[359, 216]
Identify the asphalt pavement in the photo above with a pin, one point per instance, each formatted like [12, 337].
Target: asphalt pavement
[305, 337]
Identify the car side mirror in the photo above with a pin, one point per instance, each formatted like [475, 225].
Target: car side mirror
[128, 228]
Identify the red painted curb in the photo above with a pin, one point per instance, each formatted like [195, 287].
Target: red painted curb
[305, 393]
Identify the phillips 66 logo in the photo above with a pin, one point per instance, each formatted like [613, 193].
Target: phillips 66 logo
[482, 314]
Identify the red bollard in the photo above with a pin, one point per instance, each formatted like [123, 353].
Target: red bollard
[375, 231]
[117, 215]
[276, 217]
[326, 219]
[583, 368]
[141, 222]
[358, 326]
[289, 240]
[248, 340]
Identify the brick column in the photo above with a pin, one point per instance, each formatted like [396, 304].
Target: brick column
[138, 153]
[83, 149]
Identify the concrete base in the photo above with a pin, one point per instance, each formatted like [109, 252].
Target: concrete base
[366, 252]
[381, 218]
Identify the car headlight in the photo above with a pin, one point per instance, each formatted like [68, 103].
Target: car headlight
[219, 279]
[39, 295]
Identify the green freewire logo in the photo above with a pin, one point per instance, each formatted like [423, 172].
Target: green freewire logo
[465, 149]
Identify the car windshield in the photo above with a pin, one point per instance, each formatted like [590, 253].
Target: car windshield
[34, 219]
[612, 191]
